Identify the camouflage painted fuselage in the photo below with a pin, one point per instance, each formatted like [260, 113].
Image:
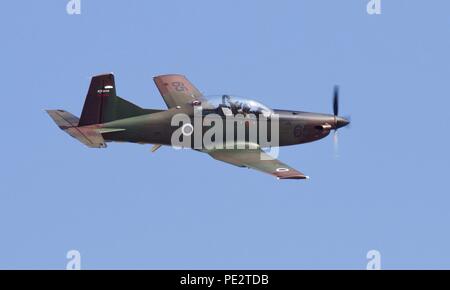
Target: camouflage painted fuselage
[108, 118]
[294, 127]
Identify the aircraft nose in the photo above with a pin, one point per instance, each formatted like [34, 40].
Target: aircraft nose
[341, 122]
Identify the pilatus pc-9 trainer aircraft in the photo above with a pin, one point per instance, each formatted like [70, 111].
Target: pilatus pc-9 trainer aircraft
[107, 118]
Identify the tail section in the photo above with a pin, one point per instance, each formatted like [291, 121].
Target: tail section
[102, 105]
[89, 135]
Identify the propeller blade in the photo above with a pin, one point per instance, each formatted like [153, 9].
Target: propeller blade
[336, 101]
[336, 114]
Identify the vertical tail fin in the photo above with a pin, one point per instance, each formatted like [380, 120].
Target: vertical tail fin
[102, 91]
[103, 105]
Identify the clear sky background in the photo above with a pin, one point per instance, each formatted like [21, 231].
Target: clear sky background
[123, 207]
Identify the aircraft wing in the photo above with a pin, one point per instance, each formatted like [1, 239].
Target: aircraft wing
[259, 160]
[177, 90]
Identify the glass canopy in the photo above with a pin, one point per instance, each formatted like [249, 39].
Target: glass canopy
[231, 105]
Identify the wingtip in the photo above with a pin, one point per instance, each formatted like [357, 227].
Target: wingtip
[294, 177]
[167, 75]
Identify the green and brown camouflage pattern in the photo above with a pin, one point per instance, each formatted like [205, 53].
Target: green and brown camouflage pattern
[109, 118]
[176, 90]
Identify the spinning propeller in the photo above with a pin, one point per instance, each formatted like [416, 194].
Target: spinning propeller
[338, 121]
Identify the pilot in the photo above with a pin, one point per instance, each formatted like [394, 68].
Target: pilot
[246, 108]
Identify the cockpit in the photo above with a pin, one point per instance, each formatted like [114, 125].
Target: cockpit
[228, 105]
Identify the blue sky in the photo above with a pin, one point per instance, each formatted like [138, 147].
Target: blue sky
[124, 207]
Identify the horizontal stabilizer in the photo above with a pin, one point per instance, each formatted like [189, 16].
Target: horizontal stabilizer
[63, 119]
[88, 135]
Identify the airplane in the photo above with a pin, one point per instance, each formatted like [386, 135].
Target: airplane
[107, 117]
